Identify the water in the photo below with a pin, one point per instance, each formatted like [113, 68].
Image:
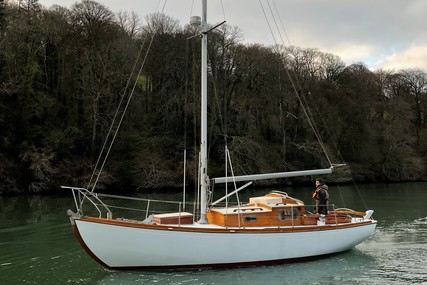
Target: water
[37, 246]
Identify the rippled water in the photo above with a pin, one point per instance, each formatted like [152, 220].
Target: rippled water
[37, 246]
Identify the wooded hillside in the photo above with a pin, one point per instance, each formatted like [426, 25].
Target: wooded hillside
[63, 73]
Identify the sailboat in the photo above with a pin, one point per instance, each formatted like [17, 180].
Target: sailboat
[270, 229]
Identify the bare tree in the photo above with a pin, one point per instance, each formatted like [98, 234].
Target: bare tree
[29, 5]
[92, 17]
[129, 23]
[160, 24]
[330, 67]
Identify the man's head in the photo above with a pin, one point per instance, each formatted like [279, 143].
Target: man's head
[319, 181]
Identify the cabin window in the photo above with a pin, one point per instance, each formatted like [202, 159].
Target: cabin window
[288, 214]
[249, 218]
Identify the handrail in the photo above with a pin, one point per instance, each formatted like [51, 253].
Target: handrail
[94, 204]
[88, 194]
[279, 192]
[137, 199]
[81, 194]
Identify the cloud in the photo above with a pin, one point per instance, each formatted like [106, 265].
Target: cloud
[381, 33]
[413, 57]
[352, 52]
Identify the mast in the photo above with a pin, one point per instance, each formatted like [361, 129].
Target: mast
[204, 179]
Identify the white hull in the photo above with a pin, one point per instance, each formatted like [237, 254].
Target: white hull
[119, 246]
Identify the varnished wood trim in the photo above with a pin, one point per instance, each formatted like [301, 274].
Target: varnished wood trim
[309, 228]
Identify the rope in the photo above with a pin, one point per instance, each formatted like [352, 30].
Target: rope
[125, 109]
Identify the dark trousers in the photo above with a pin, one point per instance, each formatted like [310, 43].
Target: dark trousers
[322, 209]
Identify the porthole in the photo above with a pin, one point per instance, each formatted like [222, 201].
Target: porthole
[249, 218]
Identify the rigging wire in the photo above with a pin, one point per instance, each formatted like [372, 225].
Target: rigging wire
[125, 108]
[114, 118]
[185, 118]
[296, 85]
[306, 108]
[192, 6]
[223, 10]
[222, 117]
[268, 22]
[312, 123]
[288, 40]
[186, 94]
[275, 22]
[281, 22]
[299, 85]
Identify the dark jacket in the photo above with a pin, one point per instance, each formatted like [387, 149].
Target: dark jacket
[321, 196]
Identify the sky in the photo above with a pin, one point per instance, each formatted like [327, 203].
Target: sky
[383, 34]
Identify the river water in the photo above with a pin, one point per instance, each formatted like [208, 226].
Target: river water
[37, 245]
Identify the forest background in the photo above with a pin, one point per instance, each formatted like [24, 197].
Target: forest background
[63, 73]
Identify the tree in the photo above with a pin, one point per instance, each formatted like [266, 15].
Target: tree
[415, 81]
[400, 158]
[29, 5]
[160, 24]
[129, 23]
[24, 96]
[64, 71]
[2, 17]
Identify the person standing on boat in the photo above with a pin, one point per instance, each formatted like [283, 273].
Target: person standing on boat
[321, 197]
